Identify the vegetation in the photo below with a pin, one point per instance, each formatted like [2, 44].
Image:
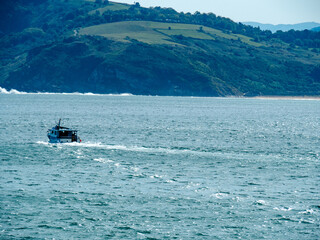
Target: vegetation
[107, 47]
[110, 7]
[146, 31]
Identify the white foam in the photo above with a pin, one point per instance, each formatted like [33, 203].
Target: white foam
[43, 143]
[103, 160]
[14, 91]
[261, 202]
[159, 150]
[283, 209]
[156, 176]
[308, 211]
[219, 195]
[135, 169]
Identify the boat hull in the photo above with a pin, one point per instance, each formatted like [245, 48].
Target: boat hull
[59, 140]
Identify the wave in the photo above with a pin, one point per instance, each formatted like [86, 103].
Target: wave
[14, 91]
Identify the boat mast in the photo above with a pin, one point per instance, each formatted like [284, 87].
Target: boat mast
[59, 123]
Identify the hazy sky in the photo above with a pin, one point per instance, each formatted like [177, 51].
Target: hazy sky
[263, 11]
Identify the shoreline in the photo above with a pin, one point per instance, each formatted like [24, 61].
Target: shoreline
[16, 92]
[286, 97]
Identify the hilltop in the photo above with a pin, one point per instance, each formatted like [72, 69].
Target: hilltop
[108, 47]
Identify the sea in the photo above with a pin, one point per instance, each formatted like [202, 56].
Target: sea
[152, 167]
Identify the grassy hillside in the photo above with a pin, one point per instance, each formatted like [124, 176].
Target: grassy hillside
[159, 33]
[122, 31]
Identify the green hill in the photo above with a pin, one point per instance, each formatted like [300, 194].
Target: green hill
[107, 47]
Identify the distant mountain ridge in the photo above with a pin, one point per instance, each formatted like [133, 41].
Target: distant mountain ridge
[284, 27]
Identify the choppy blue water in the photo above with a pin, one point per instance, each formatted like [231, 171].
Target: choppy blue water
[159, 168]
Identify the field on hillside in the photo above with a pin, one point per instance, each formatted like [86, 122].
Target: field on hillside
[158, 32]
[120, 31]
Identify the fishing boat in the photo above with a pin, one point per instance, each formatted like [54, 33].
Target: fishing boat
[59, 134]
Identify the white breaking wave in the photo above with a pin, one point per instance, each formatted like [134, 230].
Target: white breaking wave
[103, 160]
[283, 209]
[14, 91]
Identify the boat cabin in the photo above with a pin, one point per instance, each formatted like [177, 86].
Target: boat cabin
[59, 134]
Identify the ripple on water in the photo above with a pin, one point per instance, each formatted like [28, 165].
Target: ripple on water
[158, 167]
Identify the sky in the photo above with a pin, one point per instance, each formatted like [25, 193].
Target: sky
[263, 11]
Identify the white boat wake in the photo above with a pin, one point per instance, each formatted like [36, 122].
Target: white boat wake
[159, 150]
